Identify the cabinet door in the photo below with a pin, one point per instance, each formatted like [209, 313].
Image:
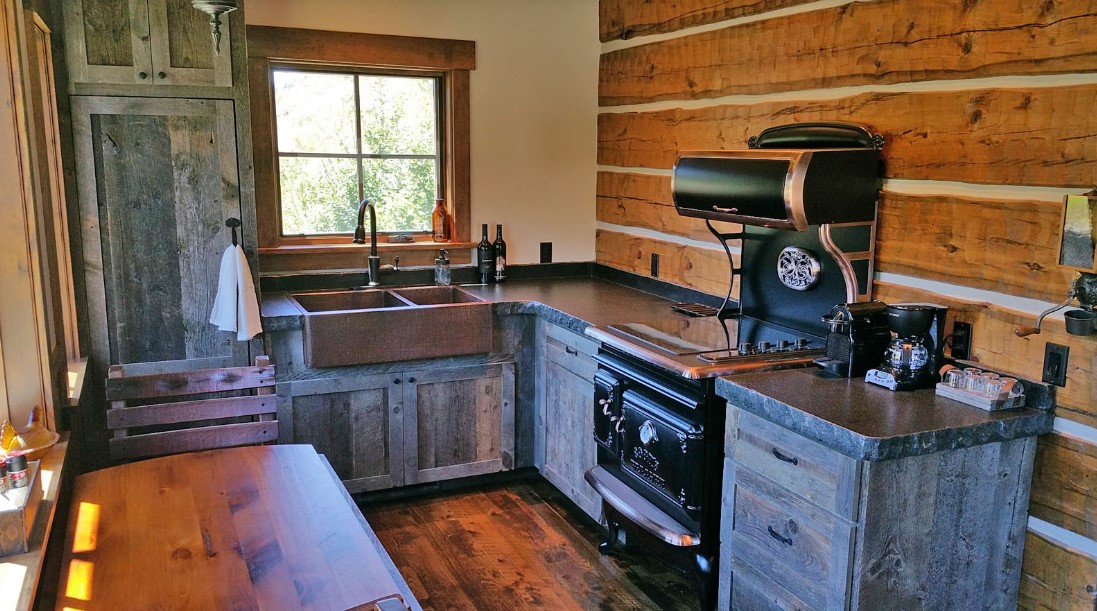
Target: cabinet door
[458, 422]
[160, 42]
[569, 419]
[354, 421]
[157, 180]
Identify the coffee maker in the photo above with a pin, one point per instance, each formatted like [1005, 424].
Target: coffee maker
[916, 350]
[858, 335]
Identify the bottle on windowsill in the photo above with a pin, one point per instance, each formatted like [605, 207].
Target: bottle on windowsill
[485, 257]
[500, 248]
[439, 222]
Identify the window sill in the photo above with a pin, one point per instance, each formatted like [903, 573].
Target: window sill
[327, 257]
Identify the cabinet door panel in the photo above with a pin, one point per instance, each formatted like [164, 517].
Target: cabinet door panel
[182, 48]
[460, 422]
[157, 179]
[569, 435]
[107, 41]
[354, 422]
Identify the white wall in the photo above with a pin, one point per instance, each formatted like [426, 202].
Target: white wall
[534, 104]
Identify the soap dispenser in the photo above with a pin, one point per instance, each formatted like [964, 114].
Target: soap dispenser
[441, 268]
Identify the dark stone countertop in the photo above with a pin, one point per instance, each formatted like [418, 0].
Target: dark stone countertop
[869, 422]
[857, 419]
[571, 302]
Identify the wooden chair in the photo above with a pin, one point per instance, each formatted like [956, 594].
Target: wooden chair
[144, 426]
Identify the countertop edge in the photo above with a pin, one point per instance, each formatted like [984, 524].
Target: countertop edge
[863, 447]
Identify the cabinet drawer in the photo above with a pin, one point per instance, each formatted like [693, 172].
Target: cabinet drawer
[571, 351]
[804, 467]
[804, 549]
[751, 591]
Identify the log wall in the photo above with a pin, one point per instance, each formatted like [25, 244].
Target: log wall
[989, 111]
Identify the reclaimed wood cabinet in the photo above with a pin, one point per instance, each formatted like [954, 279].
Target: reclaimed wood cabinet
[144, 42]
[806, 527]
[157, 177]
[382, 430]
[565, 421]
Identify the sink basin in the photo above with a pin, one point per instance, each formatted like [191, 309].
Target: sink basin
[435, 295]
[349, 300]
[387, 325]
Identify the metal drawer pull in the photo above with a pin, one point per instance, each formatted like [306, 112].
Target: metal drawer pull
[571, 351]
[789, 459]
[773, 533]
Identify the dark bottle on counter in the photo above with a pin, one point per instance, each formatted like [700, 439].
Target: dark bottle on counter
[485, 257]
[500, 248]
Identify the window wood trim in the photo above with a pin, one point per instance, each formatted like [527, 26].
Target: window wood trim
[272, 45]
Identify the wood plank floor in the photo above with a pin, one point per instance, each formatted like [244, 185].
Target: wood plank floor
[517, 546]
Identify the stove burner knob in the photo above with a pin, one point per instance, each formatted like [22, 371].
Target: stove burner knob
[765, 346]
[784, 345]
[746, 348]
[802, 343]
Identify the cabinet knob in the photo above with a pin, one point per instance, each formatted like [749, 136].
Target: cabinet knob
[411, 380]
[142, 75]
[396, 381]
[161, 75]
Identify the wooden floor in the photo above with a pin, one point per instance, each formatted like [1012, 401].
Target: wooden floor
[516, 546]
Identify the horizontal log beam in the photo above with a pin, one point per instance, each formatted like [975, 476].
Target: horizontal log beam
[998, 245]
[860, 43]
[639, 200]
[1064, 484]
[696, 268]
[1054, 577]
[624, 19]
[989, 136]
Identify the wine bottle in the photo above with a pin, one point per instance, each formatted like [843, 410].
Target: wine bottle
[485, 257]
[500, 248]
[439, 223]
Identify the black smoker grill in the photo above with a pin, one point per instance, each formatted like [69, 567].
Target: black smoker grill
[808, 211]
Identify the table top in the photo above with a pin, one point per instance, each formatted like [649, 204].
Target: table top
[260, 527]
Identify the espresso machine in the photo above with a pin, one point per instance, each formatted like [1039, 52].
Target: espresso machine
[858, 335]
[916, 350]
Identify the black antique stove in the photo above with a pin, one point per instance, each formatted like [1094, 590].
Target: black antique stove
[808, 217]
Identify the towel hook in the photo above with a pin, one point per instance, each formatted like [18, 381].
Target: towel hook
[233, 223]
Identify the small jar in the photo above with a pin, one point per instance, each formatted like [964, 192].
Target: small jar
[441, 268]
[3, 476]
[17, 471]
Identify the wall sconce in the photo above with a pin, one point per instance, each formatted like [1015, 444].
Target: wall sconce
[215, 8]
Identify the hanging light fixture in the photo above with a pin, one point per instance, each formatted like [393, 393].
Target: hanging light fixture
[216, 8]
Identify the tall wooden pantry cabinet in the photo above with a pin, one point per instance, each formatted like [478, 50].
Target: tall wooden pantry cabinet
[163, 158]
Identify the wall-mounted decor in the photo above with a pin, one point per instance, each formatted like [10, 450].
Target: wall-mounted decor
[1078, 248]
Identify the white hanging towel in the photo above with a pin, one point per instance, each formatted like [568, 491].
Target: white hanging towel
[235, 307]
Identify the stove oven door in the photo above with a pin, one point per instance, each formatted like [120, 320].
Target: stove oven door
[662, 450]
[607, 409]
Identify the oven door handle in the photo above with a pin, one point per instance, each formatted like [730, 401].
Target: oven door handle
[619, 425]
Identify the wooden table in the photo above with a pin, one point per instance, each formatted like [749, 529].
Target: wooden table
[261, 527]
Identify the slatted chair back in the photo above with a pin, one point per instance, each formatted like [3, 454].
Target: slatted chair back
[157, 428]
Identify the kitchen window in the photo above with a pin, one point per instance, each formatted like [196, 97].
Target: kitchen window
[339, 117]
[346, 136]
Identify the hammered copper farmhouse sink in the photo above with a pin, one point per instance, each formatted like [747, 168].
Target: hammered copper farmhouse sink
[377, 326]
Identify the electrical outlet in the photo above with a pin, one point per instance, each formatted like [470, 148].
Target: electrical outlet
[1055, 364]
[546, 252]
[961, 340]
[655, 265]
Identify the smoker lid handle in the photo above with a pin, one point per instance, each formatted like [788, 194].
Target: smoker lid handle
[819, 135]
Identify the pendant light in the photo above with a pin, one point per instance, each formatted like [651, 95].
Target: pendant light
[215, 8]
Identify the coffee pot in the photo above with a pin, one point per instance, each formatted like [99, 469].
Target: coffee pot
[915, 352]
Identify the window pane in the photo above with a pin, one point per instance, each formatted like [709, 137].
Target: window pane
[403, 191]
[398, 115]
[318, 195]
[314, 112]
